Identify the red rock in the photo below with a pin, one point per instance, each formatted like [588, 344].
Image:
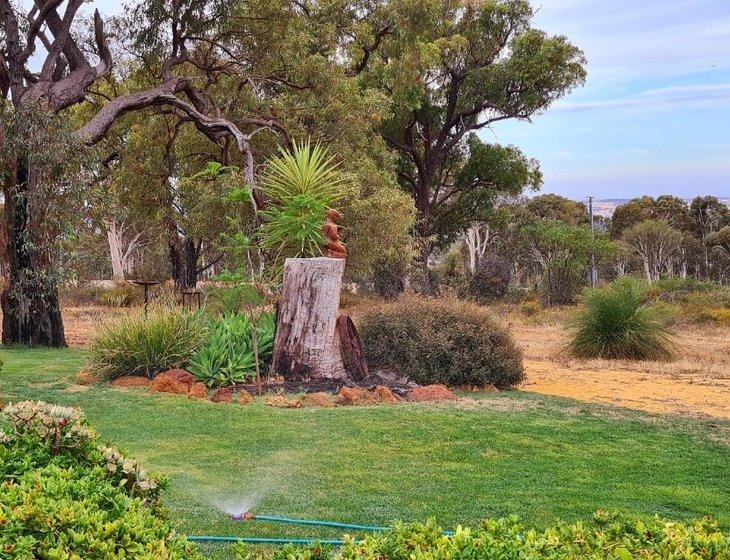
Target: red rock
[244, 397]
[128, 381]
[356, 396]
[280, 401]
[385, 395]
[431, 393]
[179, 375]
[224, 394]
[198, 391]
[317, 400]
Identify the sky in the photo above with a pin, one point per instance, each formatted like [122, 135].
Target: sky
[654, 115]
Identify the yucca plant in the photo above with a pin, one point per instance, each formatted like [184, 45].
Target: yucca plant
[619, 322]
[302, 185]
[146, 346]
[229, 355]
[304, 171]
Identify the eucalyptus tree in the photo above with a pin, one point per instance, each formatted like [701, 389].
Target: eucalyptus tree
[454, 67]
[163, 33]
[226, 68]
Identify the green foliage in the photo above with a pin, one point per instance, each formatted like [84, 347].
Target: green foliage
[230, 352]
[302, 185]
[64, 496]
[146, 346]
[441, 341]
[306, 171]
[294, 229]
[123, 294]
[561, 253]
[611, 536]
[618, 322]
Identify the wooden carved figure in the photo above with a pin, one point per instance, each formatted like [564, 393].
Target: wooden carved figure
[333, 246]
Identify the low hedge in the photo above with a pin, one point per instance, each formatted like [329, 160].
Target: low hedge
[606, 536]
[441, 341]
[66, 497]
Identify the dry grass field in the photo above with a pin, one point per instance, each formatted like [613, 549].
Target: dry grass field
[697, 384]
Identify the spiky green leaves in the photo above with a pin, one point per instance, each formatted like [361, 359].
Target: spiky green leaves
[619, 322]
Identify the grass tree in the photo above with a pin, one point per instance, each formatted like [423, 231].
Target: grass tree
[618, 322]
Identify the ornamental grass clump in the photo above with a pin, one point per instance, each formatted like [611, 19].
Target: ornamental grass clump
[618, 322]
[146, 346]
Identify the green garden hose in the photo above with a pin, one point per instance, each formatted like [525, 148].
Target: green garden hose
[264, 540]
[287, 540]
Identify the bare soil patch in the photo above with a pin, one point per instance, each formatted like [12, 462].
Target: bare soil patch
[697, 384]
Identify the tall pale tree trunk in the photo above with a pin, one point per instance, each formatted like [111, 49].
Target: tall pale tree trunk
[29, 300]
[307, 343]
[114, 238]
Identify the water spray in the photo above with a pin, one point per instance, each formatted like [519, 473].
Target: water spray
[248, 516]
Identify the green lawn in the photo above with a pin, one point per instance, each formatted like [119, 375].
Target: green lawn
[541, 458]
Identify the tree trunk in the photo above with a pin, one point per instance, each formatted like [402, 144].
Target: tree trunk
[353, 355]
[29, 300]
[307, 344]
[184, 255]
[114, 238]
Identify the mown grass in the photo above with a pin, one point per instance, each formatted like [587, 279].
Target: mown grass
[541, 458]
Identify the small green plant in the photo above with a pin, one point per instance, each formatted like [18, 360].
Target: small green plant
[610, 536]
[618, 322]
[64, 495]
[229, 354]
[441, 341]
[146, 346]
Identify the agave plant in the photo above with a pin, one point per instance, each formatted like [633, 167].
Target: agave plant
[619, 322]
[229, 355]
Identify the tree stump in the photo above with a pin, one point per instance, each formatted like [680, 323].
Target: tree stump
[307, 343]
[353, 355]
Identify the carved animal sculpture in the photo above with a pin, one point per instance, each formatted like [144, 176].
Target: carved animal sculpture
[333, 246]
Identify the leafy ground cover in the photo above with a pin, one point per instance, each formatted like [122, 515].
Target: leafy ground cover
[539, 457]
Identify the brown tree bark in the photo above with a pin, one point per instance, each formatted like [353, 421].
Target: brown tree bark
[307, 343]
[184, 257]
[30, 303]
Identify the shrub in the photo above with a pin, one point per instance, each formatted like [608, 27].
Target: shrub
[138, 345]
[530, 308]
[605, 535]
[389, 276]
[441, 341]
[618, 322]
[228, 356]
[65, 496]
[122, 294]
[491, 278]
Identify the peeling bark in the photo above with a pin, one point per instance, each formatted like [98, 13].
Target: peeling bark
[307, 343]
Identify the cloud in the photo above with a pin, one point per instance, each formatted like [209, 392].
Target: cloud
[695, 96]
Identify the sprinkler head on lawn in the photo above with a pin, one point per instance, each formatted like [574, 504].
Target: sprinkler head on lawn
[245, 516]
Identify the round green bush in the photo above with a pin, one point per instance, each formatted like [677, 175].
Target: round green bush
[146, 346]
[618, 322]
[441, 341]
